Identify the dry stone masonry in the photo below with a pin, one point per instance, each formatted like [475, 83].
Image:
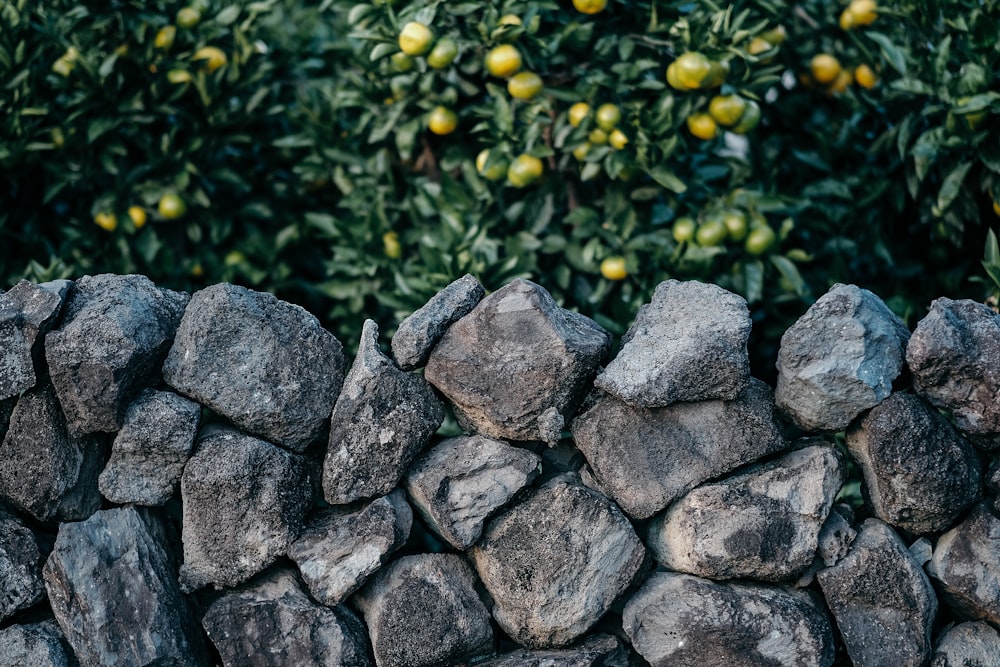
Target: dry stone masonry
[206, 480]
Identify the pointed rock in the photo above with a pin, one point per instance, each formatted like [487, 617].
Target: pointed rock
[420, 332]
[20, 567]
[970, 644]
[966, 566]
[27, 312]
[35, 645]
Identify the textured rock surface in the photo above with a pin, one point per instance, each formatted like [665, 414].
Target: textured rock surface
[272, 622]
[656, 455]
[340, 548]
[836, 536]
[595, 651]
[678, 620]
[555, 562]
[688, 344]
[20, 567]
[515, 366]
[244, 502]
[417, 335]
[423, 610]
[27, 311]
[882, 600]
[265, 364]
[112, 340]
[35, 645]
[839, 359]
[919, 473]
[966, 566]
[149, 452]
[382, 420]
[970, 644]
[461, 481]
[113, 587]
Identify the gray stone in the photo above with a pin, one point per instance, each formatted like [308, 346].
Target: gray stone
[266, 365]
[420, 332]
[113, 587]
[244, 502]
[149, 452]
[839, 359]
[970, 644]
[836, 536]
[593, 651]
[763, 524]
[919, 473]
[555, 561]
[383, 418]
[35, 645]
[271, 622]
[882, 601]
[656, 455]
[340, 548]
[27, 312]
[688, 344]
[114, 335]
[515, 367]
[966, 566]
[678, 620]
[20, 567]
[461, 481]
[423, 610]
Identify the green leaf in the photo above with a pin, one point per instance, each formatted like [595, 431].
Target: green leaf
[890, 51]
[789, 272]
[951, 186]
[382, 50]
[753, 279]
[667, 179]
[228, 15]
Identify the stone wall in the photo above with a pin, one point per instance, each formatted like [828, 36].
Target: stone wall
[205, 480]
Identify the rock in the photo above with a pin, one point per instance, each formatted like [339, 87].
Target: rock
[340, 548]
[113, 587]
[35, 645]
[556, 561]
[882, 601]
[266, 365]
[27, 312]
[420, 332]
[64, 468]
[149, 452]
[515, 366]
[20, 568]
[763, 524]
[839, 359]
[421, 597]
[115, 333]
[966, 566]
[594, 651]
[836, 536]
[688, 344]
[459, 483]
[272, 622]
[970, 644]
[919, 473]
[244, 502]
[678, 620]
[653, 456]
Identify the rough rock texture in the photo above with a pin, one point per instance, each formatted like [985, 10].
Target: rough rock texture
[417, 335]
[149, 452]
[882, 600]
[382, 420]
[20, 567]
[970, 644]
[515, 366]
[461, 481]
[966, 566]
[113, 587]
[688, 344]
[677, 620]
[423, 610]
[27, 312]
[595, 651]
[35, 645]
[657, 455]
[234, 527]
[763, 524]
[839, 359]
[836, 536]
[919, 473]
[555, 562]
[272, 623]
[954, 357]
[113, 338]
[266, 365]
[340, 548]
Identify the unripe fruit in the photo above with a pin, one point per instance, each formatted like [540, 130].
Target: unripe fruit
[607, 117]
[524, 85]
[578, 113]
[415, 39]
[503, 61]
[442, 121]
[443, 53]
[613, 268]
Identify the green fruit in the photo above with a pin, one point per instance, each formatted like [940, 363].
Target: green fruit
[711, 233]
[684, 229]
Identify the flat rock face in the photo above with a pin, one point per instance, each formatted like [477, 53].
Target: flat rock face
[515, 366]
[920, 474]
[839, 359]
[970, 644]
[688, 344]
[273, 622]
[966, 566]
[595, 651]
[266, 365]
[420, 332]
[555, 561]
[763, 524]
[677, 620]
[35, 645]
[882, 600]
[113, 587]
[115, 333]
[27, 311]
[340, 548]
[461, 481]
[423, 610]
[232, 528]
[382, 420]
[657, 455]
[20, 567]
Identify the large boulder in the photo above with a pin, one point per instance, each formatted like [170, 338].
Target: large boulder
[27, 312]
[35, 645]
[966, 566]
[20, 567]
[417, 335]
[969, 644]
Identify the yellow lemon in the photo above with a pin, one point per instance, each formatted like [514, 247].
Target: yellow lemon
[442, 120]
[503, 61]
